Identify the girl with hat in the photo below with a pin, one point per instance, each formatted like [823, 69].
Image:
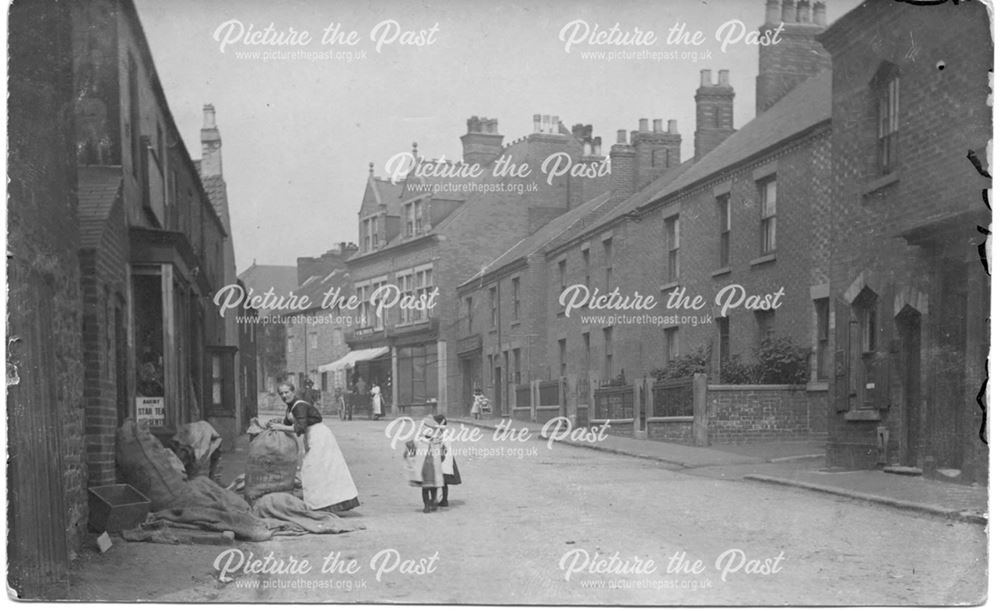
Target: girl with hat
[423, 455]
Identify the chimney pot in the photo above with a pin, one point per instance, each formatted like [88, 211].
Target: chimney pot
[772, 12]
[597, 146]
[657, 125]
[538, 122]
[723, 77]
[209, 112]
[644, 125]
[371, 168]
[622, 137]
[788, 11]
[587, 149]
[415, 151]
[672, 126]
[819, 13]
[706, 78]
[803, 14]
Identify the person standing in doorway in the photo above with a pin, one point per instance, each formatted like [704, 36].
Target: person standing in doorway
[376, 393]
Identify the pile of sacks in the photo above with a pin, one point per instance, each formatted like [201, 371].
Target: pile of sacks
[267, 508]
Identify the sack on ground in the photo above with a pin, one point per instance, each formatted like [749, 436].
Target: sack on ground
[148, 466]
[271, 465]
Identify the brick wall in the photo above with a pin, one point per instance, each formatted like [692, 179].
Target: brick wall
[741, 414]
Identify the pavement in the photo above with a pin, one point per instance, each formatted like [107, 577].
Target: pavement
[799, 464]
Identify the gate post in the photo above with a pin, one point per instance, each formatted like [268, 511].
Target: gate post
[700, 425]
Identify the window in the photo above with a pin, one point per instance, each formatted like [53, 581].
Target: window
[724, 350]
[609, 370]
[515, 287]
[290, 343]
[608, 255]
[725, 224]
[414, 214]
[768, 215]
[673, 249]
[378, 316]
[562, 357]
[424, 283]
[765, 325]
[670, 337]
[216, 380]
[867, 326]
[586, 354]
[369, 233]
[517, 365]
[493, 306]
[888, 117]
[562, 275]
[313, 340]
[586, 266]
[468, 312]
[862, 345]
[406, 282]
[822, 338]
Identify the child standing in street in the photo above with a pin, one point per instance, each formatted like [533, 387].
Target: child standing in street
[423, 457]
[480, 404]
[449, 466]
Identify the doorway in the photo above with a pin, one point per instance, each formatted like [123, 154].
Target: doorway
[911, 442]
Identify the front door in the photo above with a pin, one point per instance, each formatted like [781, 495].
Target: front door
[911, 446]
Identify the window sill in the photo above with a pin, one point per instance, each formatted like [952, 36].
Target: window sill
[768, 258]
[722, 271]
[880, 183]
[515, 323]
[864, 414]
[669, 286]
[818, 386]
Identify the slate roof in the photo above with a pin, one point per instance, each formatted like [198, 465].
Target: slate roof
[316, 286]
[98, 188]
[574, 219]
[215, 187]
[260, 278]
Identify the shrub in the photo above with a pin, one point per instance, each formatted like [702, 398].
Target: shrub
[735, 371]
[683, 366]
[780, 361]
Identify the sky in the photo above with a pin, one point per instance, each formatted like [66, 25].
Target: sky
[299, 132]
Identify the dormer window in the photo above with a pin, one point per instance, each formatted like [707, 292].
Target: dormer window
[414, 215]
[369, 234]
[886, 87]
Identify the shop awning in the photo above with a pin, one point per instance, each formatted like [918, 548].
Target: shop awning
[354, 356]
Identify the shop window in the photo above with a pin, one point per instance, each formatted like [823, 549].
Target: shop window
[148, 309]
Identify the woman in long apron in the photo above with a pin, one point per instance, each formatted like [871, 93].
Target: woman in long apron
[327, 484]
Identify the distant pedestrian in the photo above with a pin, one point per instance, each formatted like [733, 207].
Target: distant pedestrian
[449, 467]
[480, 404]
[376, 393]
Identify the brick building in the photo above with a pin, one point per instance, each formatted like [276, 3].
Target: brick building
[428, 234]
[153, 248]
[911, 296]
[743, 211]
[45, 378]
[314, 335]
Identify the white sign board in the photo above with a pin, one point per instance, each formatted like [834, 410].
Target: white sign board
[150, 411]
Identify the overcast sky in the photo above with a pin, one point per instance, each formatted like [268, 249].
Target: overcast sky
[298, 134]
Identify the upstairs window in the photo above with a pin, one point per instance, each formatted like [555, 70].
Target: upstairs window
[673, 249]
[768, 215]
[725, 224]
[886, 88]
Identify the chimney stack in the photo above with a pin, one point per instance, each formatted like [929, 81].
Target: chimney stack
[713, 112]
[622, 169]
[481, 144]
[211, 144]
[785, 66]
